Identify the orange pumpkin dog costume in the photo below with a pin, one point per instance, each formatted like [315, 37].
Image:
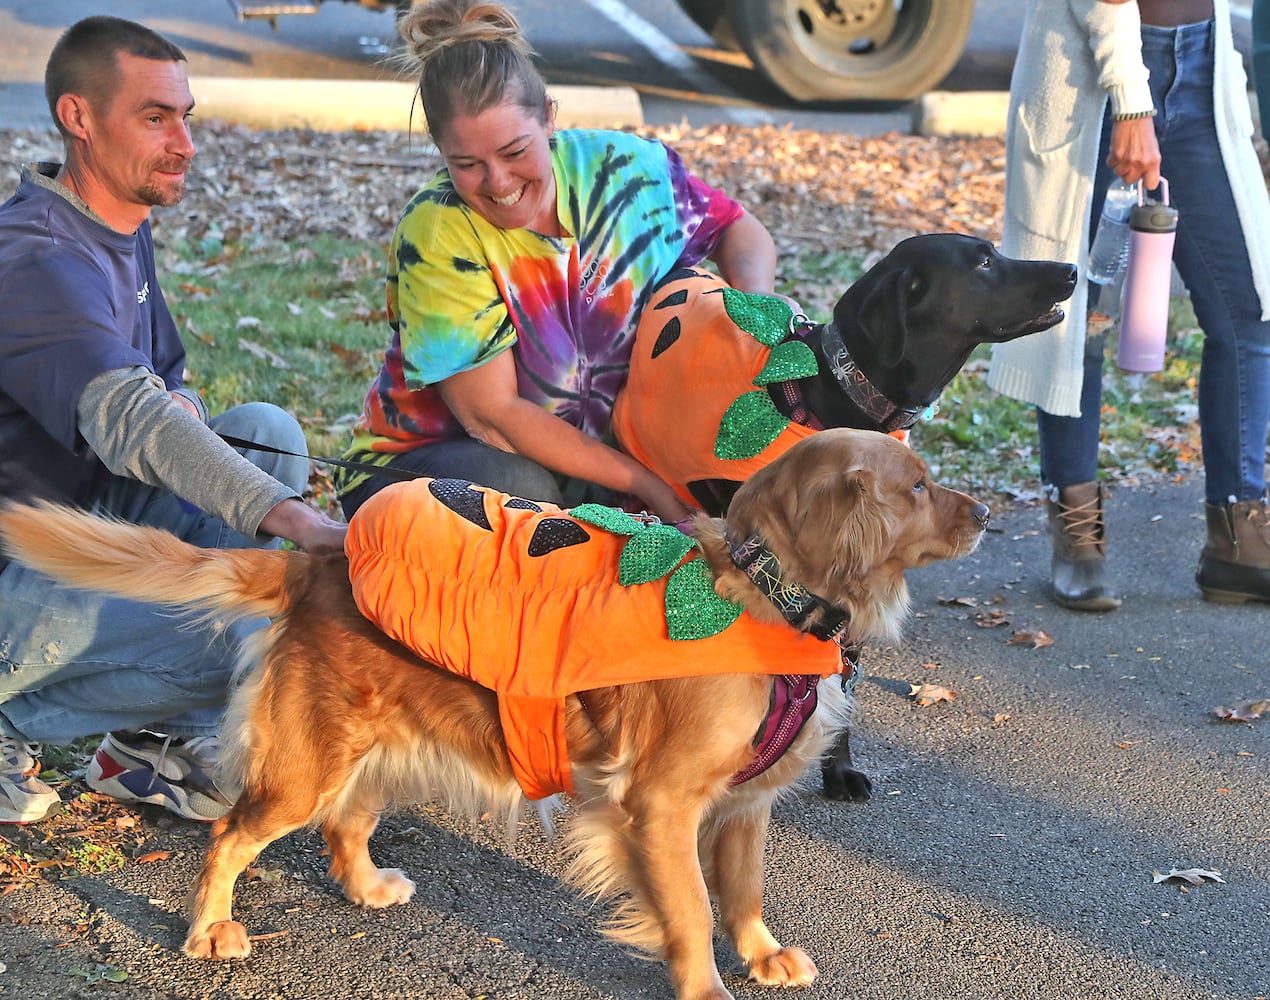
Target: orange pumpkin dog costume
[695, 406]
[537, 603]
[682, 417]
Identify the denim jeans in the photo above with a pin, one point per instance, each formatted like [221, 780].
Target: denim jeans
[76, 663]
[1234, 381]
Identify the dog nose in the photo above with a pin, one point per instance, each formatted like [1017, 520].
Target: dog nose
[980, 513]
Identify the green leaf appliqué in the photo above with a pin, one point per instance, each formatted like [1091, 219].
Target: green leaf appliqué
[651, 554]
[764, 317]
[693, 609]
[750, 424]
[790, 360]
[609, 518]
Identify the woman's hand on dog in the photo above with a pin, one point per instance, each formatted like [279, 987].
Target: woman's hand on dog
[661, 500]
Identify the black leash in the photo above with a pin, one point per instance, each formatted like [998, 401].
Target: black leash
[387, 471]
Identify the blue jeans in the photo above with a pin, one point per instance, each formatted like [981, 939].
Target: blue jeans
[1234, 381]
[76, 663]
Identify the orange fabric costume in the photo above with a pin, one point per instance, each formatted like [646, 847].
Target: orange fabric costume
[689, 365]
[525, 600]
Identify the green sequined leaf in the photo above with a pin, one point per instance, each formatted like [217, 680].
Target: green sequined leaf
[652, 554]
[750, 424]
[693, 609]
[764, 317]
[790, 360]
[608, 518]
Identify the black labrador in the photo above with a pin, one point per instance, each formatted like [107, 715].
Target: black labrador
[898, 336]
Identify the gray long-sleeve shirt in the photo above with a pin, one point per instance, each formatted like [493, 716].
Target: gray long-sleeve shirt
[136, 429]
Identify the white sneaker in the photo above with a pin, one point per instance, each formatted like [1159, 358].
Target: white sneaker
[179, 775]
[24, 798]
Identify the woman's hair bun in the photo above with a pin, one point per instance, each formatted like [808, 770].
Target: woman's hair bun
[430, 28]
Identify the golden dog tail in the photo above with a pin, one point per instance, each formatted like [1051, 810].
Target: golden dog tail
[144, 564]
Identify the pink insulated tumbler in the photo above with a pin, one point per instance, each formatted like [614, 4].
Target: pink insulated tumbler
[1144, 316]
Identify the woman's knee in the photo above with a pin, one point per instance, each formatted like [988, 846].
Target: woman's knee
[468, 460]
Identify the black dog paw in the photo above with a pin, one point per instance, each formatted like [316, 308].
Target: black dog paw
[844, 783]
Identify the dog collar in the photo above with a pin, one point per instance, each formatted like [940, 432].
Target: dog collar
[794, 601]
[793, 695]
[862, 392]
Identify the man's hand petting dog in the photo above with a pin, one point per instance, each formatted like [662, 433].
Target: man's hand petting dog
[337, 722]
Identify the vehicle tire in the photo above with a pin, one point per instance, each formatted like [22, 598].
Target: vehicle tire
[711, 17]
[835, 50]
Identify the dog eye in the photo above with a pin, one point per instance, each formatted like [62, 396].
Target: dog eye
[919, 486]
[987, 263]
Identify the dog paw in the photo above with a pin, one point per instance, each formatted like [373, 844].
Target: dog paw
[223, 939]
[389, 887]
[846, 783]
[787, 967]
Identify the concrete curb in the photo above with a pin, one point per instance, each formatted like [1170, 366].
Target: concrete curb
[968, 113]
[348, 105]
[986, 112]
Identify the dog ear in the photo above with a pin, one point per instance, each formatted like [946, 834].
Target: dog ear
[860, 530]
[883, 315]
[845, 514]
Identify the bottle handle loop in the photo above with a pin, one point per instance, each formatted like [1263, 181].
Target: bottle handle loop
[1164, 188]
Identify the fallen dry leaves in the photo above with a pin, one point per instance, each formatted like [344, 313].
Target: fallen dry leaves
[929, 694]
[1193, 876]
[89, 826]
[990, 618]
[1036, 638]
[1245, 712]
[824, 191]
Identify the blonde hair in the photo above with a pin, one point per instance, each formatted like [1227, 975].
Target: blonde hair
[470, 56]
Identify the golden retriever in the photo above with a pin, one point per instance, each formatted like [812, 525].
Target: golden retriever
[336, 721]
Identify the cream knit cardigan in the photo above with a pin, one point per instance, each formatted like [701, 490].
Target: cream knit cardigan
[1073, 57]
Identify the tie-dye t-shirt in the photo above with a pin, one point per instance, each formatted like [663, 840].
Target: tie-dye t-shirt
[461, 290]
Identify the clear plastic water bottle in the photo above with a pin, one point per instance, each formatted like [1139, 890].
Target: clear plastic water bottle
[1110, 251]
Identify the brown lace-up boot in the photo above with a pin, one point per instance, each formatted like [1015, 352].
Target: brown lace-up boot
[1234, 567]
[1079, 569]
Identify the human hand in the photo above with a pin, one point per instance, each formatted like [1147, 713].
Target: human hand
[1135, 152]
[311, 530]
[792, 303]
[664, 502]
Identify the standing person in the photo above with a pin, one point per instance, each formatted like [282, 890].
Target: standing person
[93, 413]
[1178, 107]
[517, 274]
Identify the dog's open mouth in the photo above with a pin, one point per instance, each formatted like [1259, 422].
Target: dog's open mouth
[1034, 325]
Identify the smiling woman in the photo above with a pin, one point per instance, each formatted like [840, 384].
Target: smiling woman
[517, 274]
